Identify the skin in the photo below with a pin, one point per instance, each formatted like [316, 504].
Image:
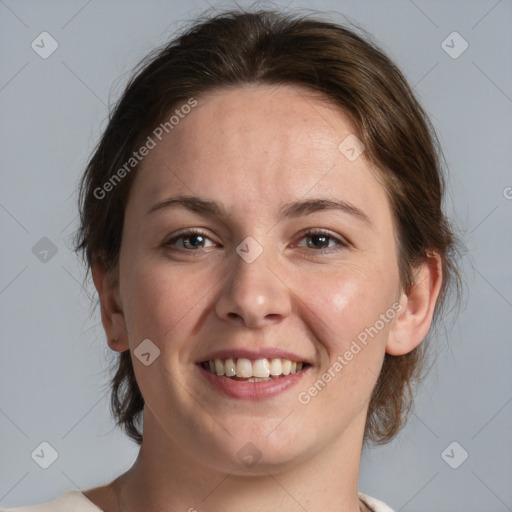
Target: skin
[254, 148]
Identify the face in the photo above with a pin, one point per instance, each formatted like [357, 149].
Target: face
[257, 279]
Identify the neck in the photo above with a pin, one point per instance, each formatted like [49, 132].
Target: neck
[165, 478]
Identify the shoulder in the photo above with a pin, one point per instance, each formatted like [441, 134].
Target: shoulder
[70, 500]
[375, 504]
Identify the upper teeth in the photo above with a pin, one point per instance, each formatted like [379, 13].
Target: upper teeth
[245, 368]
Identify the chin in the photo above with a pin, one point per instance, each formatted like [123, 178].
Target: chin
[253, 451]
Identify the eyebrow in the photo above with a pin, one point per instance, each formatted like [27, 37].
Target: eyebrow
[287, 211]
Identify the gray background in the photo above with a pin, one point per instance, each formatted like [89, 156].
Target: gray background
[54, 359]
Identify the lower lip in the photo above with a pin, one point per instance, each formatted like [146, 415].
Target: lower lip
[252, 390]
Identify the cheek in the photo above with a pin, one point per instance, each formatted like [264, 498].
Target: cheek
[349, 301]
[346, 319]
[342, 307]
[157, 301]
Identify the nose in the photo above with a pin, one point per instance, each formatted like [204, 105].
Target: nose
[254, 294]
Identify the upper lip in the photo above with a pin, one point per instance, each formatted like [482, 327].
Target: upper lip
[262, 353]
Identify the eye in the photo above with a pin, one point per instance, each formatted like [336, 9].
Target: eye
[192, 240]
[320, 240]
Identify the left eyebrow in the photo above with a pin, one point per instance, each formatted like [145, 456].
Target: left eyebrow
[290, 210]
[308, 206]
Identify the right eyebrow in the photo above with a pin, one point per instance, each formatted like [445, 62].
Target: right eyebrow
[192, 203]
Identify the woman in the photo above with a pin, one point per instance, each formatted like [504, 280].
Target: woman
[262, 220]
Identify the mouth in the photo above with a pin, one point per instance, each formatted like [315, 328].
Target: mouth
[259, 370]
[252, 379]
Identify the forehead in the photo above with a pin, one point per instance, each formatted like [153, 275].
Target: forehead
[275, 122]
[258, 144]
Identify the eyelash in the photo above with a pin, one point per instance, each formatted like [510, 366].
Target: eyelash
[310, 232]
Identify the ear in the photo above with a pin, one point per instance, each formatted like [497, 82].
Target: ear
[415, 318]
[112, 316]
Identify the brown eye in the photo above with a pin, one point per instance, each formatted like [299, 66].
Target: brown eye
[320, 239]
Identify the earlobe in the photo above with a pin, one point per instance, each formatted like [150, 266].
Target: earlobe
[112, 315]
[412, 324]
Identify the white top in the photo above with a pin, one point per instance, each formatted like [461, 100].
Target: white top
[75, 501]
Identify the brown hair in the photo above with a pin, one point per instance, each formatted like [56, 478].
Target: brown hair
[351, 72]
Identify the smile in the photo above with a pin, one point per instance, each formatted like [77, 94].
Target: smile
[252, 379]
[259, 370]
